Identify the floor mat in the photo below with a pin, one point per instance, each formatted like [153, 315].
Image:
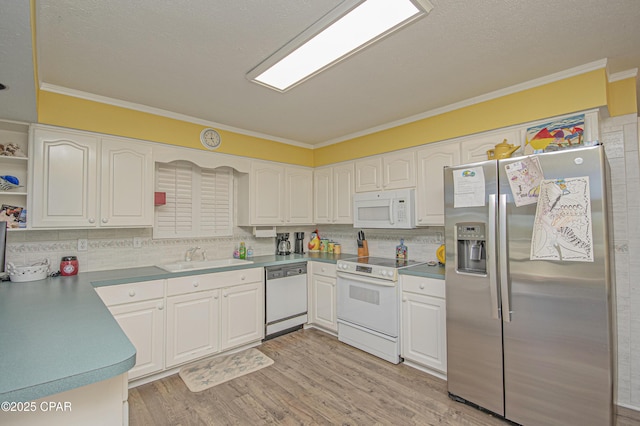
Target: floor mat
[209, 372]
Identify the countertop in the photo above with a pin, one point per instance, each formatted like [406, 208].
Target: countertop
[57, 335]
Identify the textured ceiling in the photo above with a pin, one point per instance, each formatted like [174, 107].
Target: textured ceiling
[191, 56]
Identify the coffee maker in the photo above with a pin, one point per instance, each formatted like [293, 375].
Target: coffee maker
[283, 246]
[298, 244]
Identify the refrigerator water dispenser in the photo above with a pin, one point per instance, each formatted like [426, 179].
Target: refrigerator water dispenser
[471, 251]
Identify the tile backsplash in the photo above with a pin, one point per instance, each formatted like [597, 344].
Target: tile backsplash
[114, 248]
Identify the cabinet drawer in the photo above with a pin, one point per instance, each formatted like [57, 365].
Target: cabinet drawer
[193, 283]
[324, 269]
[427, 286]
[133, 292]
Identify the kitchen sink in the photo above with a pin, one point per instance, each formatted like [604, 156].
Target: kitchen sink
[202, 264]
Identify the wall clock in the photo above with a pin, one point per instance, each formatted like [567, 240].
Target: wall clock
[210, 138]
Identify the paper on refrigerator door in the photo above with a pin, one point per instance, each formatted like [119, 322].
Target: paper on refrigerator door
[562, 227]
[468, 187]
[524, 179]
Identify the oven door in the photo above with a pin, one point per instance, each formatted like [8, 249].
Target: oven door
[368, 302]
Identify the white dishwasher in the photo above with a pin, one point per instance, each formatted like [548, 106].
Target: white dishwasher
[285, 298]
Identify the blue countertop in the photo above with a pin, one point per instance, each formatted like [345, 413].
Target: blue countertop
[425, 271]
[57, 335]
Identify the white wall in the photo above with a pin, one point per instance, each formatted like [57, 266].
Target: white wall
[620, 138]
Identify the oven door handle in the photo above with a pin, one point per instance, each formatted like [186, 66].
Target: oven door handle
[365, 280]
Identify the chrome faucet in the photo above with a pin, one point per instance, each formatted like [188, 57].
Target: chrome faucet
[190, 252]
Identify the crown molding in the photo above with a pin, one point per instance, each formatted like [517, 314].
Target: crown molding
[623, 75]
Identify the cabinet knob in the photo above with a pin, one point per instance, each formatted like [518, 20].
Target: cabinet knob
[105, 220]
[323, 270]
[242, 278]
[132, 293]
[225, 294]
[421, 286]
[215, 297]
[404, 299]
[160, 306]
[196, 283]
[92, 220]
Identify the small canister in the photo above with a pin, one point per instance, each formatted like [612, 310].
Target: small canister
[331, 247]
[69, 266]
[337, 248]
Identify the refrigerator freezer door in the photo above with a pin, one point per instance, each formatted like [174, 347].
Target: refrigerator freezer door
[474, 333]
[557, 347]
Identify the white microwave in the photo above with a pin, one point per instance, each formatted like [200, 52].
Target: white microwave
[384, 209]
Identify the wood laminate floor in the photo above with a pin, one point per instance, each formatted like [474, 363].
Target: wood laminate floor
[315, 380]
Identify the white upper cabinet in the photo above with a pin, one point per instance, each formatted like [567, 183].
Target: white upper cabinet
[127, 184]
[332, 194]
[430, 189]
[274, 194]
[298, 195]
[390, 171]
[399, 170]
[65, 179]
[474, 149]
[369, 174]
[82, 181]
[268, 193]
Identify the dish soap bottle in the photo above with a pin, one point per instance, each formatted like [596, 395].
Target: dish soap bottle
[243, 251]
[401, 251]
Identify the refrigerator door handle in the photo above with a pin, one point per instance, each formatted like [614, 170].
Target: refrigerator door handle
[492, 258]
[504, 257]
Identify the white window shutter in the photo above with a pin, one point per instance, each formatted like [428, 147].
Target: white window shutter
[199, 201]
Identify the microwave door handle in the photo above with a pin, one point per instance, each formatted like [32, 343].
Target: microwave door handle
[391, 212]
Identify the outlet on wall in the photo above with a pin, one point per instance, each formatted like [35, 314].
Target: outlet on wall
[137, 242]
[83, 244]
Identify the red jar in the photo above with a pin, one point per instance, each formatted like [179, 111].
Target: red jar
[69, 266]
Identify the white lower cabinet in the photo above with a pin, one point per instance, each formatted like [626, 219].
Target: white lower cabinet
[139, 310]
[192, 326]
[174, 321]
[143, 323]
[423, 331]
[324, 296]
[242, 315]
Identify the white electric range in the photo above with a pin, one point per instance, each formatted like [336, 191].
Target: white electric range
[369, 304]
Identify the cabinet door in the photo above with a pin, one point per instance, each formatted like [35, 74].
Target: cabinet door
[299, 196]
[430, 188]
[424, 330]
[343, 187]
[267, 194]
[143, 323]
[64, 180]
[323, 195]
[324, 302]
[192, 326]
[369, 174]
[242, 318]
[127, 184]
[475, 149]
[399, 170]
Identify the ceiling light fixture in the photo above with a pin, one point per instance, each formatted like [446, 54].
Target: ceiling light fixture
[346, 30]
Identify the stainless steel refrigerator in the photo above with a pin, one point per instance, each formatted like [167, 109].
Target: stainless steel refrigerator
[529, 293]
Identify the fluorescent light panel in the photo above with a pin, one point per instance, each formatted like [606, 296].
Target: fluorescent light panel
[362, 25]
